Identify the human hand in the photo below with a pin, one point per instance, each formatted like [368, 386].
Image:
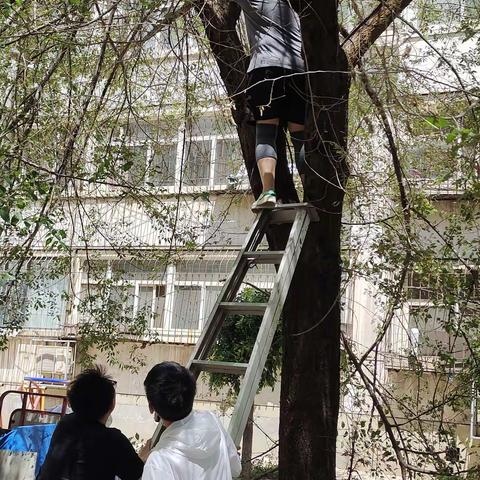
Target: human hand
[145, 451]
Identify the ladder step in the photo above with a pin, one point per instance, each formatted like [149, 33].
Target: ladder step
[241, 308]
[272, 257]
[286, 213]
[220, 367]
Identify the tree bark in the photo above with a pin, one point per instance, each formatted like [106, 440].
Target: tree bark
[366, 33]
[247, 447]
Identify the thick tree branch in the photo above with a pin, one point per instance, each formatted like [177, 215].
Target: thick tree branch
[364, 35]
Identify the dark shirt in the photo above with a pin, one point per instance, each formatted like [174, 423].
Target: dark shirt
[274, 34]
[87, 450]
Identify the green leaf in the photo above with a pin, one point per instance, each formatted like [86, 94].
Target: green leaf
[21, 204]
[439, 122]
[127, 166]
[5, 214]
[43, 188]
[452, 136]
[15, 220]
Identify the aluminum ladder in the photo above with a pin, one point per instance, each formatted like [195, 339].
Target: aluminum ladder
[299, 215]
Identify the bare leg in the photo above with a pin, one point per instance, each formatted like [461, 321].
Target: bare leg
[266, 165]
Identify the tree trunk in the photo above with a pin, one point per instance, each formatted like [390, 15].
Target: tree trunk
[311, 364]
[247, 446]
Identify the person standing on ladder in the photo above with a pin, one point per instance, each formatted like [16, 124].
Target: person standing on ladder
[276, 86]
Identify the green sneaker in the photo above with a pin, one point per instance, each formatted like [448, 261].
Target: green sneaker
[267, 199]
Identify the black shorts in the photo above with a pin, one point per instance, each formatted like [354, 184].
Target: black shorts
[275, 92]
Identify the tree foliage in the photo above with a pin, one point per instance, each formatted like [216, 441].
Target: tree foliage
[87, 88]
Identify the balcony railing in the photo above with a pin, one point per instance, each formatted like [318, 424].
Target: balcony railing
[410, 348]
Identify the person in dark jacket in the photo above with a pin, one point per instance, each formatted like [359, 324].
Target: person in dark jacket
[82, 447]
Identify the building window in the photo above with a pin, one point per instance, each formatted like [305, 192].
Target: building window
[462, 283]
[186, 309]
[211, 296]
[174, 300]
[130, 288]
[445, 14]
[163, 164]
[228, 161]
[205, 153]
[37, 300]
[439, 305]
[134, 161]
[420, 288]
[197, 164]
[46, 303]
[428, 327]
[150, 304]
[12, 294]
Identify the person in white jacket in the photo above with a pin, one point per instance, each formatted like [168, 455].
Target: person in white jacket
[194, 445]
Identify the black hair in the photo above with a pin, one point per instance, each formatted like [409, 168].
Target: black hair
[170, 389]
[91, 393]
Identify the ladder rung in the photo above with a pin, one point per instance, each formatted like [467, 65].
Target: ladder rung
[274, 257]
[242, 308]
[283, 216]
[286, 213]
[220, 367]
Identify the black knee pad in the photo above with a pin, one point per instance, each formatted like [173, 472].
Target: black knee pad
[266, 141]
